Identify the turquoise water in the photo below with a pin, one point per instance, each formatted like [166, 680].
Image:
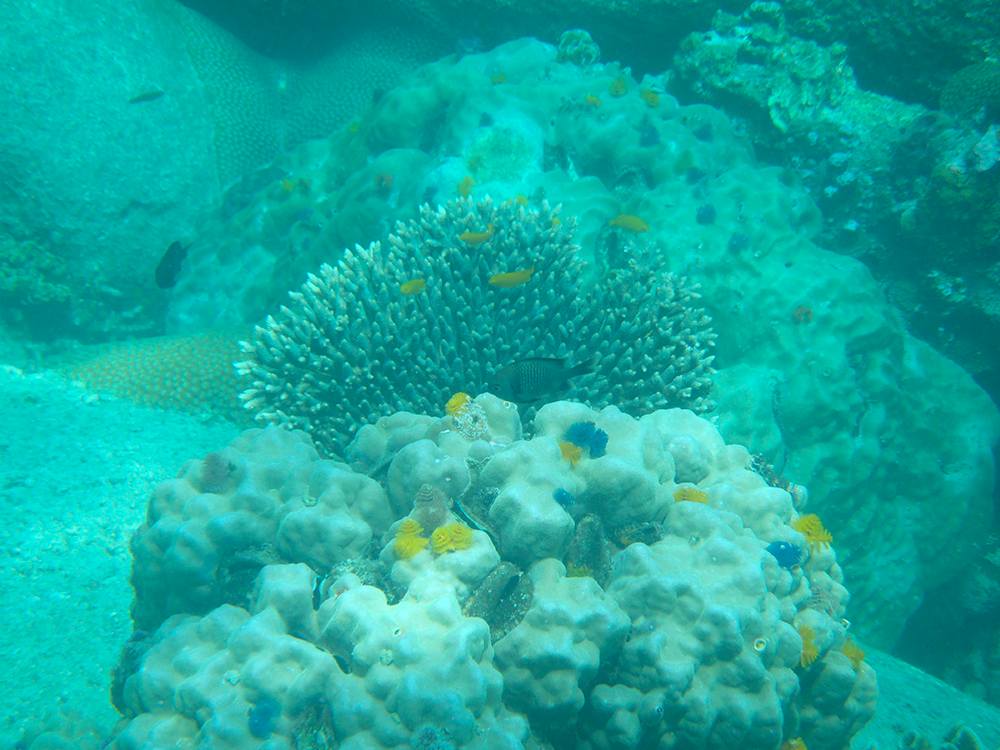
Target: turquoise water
[629, 375]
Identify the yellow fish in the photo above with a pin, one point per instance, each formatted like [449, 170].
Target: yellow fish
[649, 96]
[465, 186]
[592, 100]
[513, 278]
[477, 238]
[522, 200]
[500, 78]
[627, 221]
[618, 88]
[413, 286]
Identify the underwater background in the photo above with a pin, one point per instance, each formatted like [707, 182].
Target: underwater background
[629, 373]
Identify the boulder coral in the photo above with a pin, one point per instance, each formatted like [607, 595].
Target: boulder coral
[632, 619]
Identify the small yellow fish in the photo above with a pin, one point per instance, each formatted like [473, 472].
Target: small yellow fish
[650, 97]
[413, 286]
[465, 186]
[618, 88]
[477, 238]
[513, 278]
[522, 200]
[592, 100]
[556, 221]
[627, 221]
[354, 127]
[499, 78]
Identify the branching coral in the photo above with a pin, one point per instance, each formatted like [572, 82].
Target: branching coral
[352, 346]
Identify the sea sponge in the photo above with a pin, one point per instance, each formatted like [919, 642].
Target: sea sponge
[451, 538]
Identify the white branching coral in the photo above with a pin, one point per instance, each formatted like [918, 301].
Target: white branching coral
[352, 346]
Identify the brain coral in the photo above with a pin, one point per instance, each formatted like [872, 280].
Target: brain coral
[352, 346]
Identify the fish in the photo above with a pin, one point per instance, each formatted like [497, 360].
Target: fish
[413, 286]
[532, 380]
[513, 278]
[169, 267]
[592, 100]
[499, 78]
[477, 238]
[465, 186]
[146, 96]
[618, 88]
[521, 200]
[650, 97]
[627, 221]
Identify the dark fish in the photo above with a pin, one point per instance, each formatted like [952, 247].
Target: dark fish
[170, 265]
[529, 380]
[146, 96]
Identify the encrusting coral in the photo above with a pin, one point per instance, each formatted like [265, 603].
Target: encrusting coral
[188, 372]
[352, 346]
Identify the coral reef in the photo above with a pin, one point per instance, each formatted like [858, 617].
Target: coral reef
[30, 275]
[974, 92]
[192, 373]
[695, 633]
[793, 391]
[353, 347]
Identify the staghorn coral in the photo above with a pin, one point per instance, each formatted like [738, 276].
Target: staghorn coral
[352, 347]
